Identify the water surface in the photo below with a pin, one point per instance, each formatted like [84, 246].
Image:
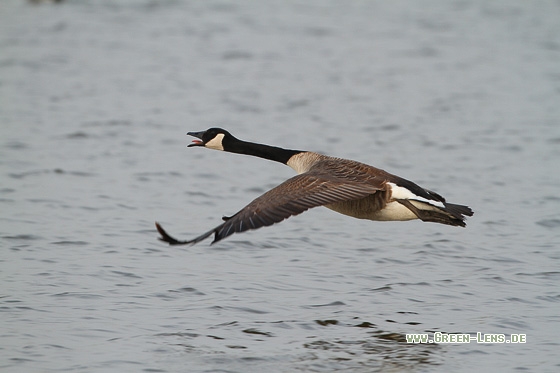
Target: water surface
[95, 101]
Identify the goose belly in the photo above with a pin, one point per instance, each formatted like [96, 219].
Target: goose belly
[373, 207]
[394, 211]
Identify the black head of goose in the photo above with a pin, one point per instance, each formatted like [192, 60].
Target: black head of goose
[348, 187]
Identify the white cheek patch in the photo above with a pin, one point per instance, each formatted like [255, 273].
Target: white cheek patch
[216, 142]
[398, 192]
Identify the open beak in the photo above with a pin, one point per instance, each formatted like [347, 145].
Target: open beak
[198, 141]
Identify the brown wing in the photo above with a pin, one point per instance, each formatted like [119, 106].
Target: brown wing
[294, 196]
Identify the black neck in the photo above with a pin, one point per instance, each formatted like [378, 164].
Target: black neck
[259, 150]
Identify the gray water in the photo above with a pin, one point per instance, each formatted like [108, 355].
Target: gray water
[463, 97]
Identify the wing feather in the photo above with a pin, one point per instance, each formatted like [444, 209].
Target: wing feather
[290, 198]
[317, 187]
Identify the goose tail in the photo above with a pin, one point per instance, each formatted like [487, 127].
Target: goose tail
[449, 214]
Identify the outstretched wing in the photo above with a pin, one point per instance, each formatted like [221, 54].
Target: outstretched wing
[292, 197]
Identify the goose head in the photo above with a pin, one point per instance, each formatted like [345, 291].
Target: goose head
[213, 138]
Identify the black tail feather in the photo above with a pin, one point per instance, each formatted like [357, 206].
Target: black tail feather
[451, 214]
[458, 210]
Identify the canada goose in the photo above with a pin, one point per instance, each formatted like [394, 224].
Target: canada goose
[348, 187]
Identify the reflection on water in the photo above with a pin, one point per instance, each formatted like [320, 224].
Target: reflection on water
[376, 350]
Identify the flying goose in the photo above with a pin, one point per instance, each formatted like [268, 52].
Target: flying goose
[348, 187]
